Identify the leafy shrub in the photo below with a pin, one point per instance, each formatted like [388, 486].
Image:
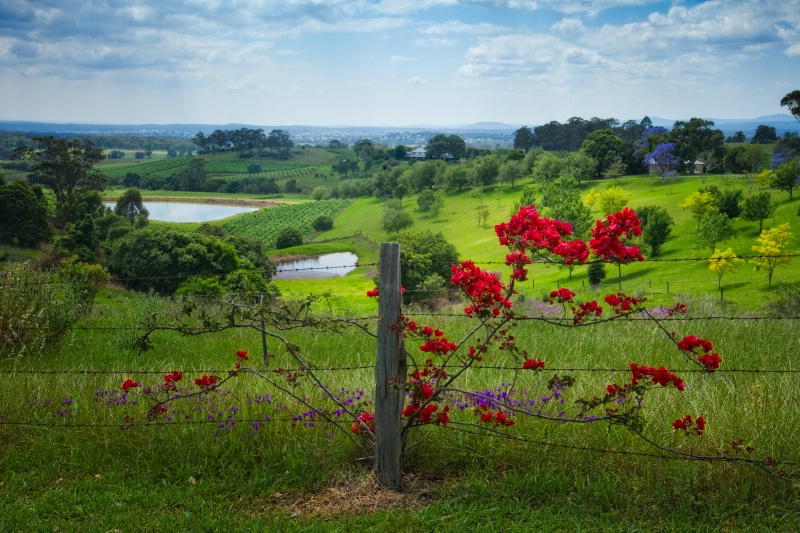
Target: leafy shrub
[38, 306]
[322, 223]
[787, 303]
[289, 237]
[596, 273]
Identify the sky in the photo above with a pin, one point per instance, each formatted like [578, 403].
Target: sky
[394, 62]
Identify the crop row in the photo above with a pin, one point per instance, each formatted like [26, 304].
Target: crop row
[265, 224]
[162, 168]
[281, 174]
[236, 166]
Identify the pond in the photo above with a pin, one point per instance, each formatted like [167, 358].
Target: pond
[190, 212]
[323, 266]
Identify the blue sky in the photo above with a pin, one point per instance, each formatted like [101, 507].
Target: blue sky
[394, 62]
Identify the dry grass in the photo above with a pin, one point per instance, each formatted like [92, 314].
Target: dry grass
[358, 495]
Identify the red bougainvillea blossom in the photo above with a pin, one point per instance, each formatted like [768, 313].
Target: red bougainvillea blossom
[620, 302]
[532, 364]
[366, 418]
[608, 237]
[483, 288]
[660, 376]
[690, 344]
[562, 295]
[686, 423]
[206, 382]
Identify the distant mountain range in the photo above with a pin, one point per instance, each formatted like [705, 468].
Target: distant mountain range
[781, 122]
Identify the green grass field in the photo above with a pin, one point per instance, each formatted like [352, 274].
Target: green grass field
[84, 466]
[679, 268]
[71, 461]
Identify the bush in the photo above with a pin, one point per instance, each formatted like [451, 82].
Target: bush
[322, 223]
[597, 273]
[37, 307]
[160, 258]
[288, 237]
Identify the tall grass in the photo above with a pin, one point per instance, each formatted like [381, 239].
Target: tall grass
[86, 477]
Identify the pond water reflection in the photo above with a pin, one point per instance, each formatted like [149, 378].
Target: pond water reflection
[323, 266]
[190, 212]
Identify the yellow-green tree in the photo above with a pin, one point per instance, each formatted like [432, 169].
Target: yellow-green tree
[773, 250]
[699, 204]
[722, 263]
[610, 200]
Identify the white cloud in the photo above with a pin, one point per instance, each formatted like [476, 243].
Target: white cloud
[416, 80]
[455, 26]
[395, 60]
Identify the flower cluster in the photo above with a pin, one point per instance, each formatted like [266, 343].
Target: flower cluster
[710, 361]
[621, 302]
[171, 379]
[206, 382]
[498, 418]
[368, 419]
[129, 384]
[585, 309]
[528, 231]
[562, 295]
[533, 364]
[608, 237]
[660, 376]
[425, 416]
[483, 288]
[686, 424]
[373, 293]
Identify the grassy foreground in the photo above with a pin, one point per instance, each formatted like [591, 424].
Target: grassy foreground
[92, 469]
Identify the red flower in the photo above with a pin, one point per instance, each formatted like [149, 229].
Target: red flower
[367, 418]
[532, 364]
[176, 376]
[701, 424]
[242, 354]
[562, 295]
[486, 417]
[373, 293]
[206, 382]
[129, 384]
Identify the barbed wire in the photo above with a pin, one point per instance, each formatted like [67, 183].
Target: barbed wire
[372, 366]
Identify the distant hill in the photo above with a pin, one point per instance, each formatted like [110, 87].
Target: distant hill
[781, 122]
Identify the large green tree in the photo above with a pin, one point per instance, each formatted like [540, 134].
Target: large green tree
[130, 205]
[604, 146]
[714, 228]
[656, 226]
[792, 101]
[524, 139]
[425, 261]
[758, 207]
[694, 137]
[162, 258]
[280, 142]
[65, 167]
[786, 177]
[440, 146]
[23, 214]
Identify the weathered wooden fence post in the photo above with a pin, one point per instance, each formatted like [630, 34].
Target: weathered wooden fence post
[390, 371]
